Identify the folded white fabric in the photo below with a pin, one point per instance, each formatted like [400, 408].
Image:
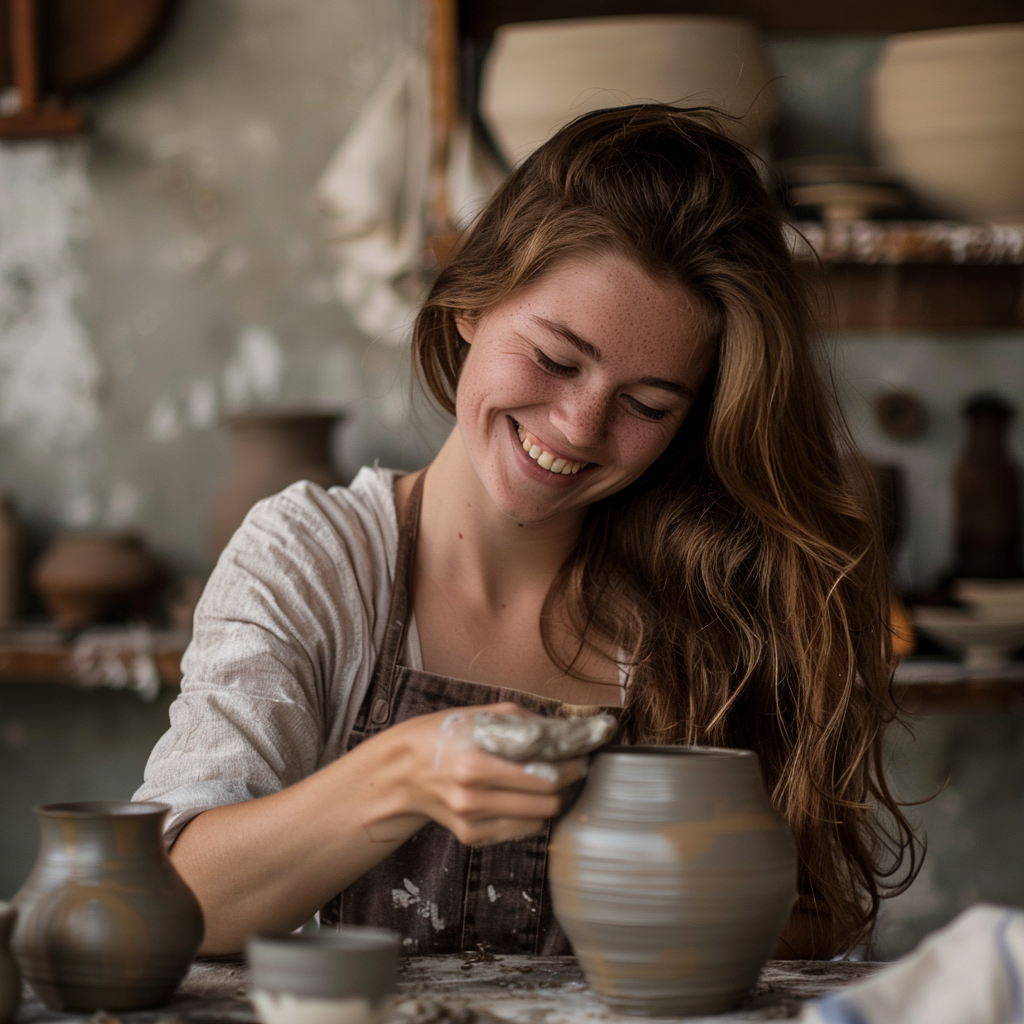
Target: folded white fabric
[969, 972]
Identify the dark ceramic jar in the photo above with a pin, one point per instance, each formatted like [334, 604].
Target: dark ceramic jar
[104, 920]
[673, 877]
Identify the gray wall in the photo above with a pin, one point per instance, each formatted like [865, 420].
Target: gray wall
[176, 261]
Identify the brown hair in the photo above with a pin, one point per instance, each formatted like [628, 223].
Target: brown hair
[741, 574]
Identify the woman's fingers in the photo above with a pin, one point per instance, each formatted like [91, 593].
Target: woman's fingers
[481, 804]
[496, 830]
[472, 767]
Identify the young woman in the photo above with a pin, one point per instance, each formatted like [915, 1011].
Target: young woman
[642, 506]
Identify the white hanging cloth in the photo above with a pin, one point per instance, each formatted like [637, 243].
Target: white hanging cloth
[376, 189]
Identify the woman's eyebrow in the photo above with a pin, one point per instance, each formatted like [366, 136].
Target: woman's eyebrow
[593, 352]
[568, 334]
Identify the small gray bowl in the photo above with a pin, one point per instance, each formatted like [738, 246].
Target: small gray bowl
[343, 976]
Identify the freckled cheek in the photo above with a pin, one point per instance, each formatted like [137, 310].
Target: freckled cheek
[641, 443]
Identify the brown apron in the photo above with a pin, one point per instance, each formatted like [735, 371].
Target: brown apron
[440, 895]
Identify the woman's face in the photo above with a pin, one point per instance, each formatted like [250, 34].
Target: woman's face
[576, 384]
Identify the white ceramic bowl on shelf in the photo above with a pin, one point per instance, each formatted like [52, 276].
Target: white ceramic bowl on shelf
[992, 600]
[984, 644]
[946, 116]
[540, 75]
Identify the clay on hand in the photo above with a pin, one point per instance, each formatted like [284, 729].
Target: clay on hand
[521, 738]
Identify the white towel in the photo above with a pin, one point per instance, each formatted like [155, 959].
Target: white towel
[376, 188]
[970, 972]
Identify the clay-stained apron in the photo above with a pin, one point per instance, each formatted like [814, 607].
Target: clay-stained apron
[440, 895]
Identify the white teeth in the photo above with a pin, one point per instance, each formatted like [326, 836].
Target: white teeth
[548, 461]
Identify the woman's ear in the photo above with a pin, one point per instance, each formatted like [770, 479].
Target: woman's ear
[466, 328]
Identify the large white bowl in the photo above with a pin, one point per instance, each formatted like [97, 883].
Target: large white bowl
[540, 75]
[984, 644]
[947, 117]
[992, 600]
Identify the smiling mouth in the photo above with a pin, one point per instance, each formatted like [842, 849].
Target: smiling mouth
[554, 464]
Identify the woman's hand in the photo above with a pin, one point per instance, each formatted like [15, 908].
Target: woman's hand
[269, 863]
[478, 797]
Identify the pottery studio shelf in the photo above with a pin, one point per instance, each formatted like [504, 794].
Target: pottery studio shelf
[128, 657]
[137, 657]
[917, 275]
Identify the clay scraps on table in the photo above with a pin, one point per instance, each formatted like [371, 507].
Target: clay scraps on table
[521, 738]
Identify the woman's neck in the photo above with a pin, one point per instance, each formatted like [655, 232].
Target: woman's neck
[467, 541]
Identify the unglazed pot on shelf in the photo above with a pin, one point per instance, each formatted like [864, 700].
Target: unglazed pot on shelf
[540, 75]
[83, 576]
[946, 117]
[104, 920]
[273, 448]
[673, 877]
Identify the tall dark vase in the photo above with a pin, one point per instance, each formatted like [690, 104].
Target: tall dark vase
[104, 920]
[986, 487]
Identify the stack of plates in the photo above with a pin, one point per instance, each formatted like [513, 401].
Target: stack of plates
[841, 188]
[988, 630]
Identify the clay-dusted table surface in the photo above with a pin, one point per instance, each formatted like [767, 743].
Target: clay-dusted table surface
[445, 990]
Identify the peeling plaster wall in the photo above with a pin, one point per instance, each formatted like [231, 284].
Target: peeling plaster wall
[174, 264]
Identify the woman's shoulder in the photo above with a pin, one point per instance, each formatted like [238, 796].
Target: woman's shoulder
[306, 522]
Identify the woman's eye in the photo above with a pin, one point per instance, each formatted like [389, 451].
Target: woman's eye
[547, 363]
[644, 410]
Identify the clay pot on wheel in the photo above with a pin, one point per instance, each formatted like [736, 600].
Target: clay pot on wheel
[272, 450]
[85, 576]
[673, 877]
[104, 920]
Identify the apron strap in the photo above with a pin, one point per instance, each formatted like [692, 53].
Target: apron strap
[380, 699]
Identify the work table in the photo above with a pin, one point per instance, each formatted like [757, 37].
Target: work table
[472, 989]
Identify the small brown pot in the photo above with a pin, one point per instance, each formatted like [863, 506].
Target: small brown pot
[272, 449]
[104, 920]
[83, 576]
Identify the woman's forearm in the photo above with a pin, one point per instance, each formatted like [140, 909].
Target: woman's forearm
[269, 864]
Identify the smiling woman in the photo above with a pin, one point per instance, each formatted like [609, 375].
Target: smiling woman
[642, 506]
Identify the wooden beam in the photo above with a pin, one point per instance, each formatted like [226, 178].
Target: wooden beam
[25, 53]
[443, 45]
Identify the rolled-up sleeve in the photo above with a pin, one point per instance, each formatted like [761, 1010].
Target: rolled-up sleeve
[282, 642]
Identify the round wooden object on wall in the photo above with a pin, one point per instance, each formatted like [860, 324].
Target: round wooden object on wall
[87, 43]
[901, 415]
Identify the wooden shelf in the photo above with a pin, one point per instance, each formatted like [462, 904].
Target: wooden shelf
[124, 657]
[915, 275]
[479, 18]
[929, 685]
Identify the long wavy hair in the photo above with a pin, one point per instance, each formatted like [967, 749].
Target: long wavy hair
[742, 574]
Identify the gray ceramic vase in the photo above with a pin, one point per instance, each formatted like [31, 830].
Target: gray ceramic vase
[104, 920]
[10, 979]
[673, 877]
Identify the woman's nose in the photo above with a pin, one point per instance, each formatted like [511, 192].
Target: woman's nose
[582, 418]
